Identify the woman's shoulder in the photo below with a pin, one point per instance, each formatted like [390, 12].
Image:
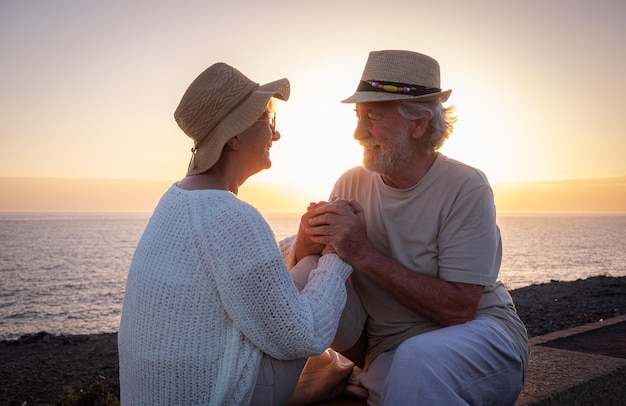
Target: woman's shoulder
[207, 204]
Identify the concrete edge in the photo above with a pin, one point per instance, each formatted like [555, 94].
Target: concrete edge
[566, 377]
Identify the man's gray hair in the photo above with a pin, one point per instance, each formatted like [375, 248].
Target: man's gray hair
[440, 124]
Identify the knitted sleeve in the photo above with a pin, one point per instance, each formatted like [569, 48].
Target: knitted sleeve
[259, 295]
[287, 250]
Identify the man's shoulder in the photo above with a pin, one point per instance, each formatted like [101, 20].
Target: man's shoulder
[352, 174]
[355, 171]
[352, 182]
[460, 170]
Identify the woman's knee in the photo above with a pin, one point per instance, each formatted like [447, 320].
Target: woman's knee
[351, 323]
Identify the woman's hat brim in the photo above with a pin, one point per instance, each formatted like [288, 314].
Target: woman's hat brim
[239, 120]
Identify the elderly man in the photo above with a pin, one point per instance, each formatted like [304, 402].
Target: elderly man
[420, 231]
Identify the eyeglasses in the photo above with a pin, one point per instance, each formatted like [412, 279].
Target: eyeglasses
[272, 122]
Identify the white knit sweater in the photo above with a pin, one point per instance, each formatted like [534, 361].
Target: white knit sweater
[207, 294]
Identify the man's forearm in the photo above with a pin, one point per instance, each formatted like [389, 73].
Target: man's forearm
[445, 303]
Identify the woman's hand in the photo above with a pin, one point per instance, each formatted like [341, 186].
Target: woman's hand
[328, 250]
[304, 245]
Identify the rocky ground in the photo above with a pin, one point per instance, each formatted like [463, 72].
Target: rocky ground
[34, 369]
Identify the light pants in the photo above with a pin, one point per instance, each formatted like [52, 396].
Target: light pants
[475, 363]
[277, 380]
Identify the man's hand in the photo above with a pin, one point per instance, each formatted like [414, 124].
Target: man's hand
[339, 224]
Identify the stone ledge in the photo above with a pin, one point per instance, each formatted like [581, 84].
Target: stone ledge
[572, 377]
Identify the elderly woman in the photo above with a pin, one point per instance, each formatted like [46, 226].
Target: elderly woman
[211, 314]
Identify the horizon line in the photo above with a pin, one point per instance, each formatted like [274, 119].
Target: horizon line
[518, 181]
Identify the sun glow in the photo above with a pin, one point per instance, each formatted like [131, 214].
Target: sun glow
[485, 135]
[316, 143]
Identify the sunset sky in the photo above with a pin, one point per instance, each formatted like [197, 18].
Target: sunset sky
[88, 89]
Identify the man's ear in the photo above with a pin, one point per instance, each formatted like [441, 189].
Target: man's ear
[420, 126]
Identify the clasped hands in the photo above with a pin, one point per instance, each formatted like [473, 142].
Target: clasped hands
[336, 226]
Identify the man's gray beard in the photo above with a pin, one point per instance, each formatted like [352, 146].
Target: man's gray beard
[390, 163]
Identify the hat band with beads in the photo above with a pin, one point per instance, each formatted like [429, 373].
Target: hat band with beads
[393, 87]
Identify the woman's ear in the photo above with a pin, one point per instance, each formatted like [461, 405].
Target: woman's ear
[233, 143]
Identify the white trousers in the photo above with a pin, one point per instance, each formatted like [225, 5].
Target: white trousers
[475, 363]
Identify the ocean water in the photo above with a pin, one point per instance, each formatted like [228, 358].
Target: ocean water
[65, 273]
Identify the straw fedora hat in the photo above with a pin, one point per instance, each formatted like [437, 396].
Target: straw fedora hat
[219, 104]
[399, 75]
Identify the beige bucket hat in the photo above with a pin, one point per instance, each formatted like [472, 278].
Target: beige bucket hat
[399, 75]
[219, 104]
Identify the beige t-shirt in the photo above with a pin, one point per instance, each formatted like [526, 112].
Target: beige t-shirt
[445, 226]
